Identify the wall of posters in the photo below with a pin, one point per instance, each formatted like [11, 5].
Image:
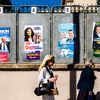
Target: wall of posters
[67, 33]
[33, 41]
[96, 39]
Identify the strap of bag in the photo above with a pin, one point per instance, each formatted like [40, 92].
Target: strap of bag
[51, 73]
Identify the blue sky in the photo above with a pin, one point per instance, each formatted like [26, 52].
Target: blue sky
[49, 3]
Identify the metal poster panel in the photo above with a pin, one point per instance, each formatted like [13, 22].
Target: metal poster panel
[96, 39]
[67, 33]
[33, 41]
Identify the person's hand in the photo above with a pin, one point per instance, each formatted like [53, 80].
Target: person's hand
[56, 76]
[90, 92]
[53, 79]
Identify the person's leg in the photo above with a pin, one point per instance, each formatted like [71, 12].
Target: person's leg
[48, 97]
[83, 95]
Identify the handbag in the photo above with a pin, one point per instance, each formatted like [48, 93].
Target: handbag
[54, 91]
[41, 90]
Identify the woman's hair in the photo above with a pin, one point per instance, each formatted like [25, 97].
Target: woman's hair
[44, 62]
[26, 35]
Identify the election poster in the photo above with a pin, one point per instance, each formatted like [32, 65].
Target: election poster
[33, 41]
[4, 43]
[67, 32]
[96, 39]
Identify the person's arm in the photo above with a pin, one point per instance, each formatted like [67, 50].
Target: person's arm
[42, 76]
[45, 79]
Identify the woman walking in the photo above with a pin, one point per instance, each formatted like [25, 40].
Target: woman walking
[46, 75]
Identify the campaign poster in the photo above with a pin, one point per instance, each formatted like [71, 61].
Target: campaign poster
[67, 32]
[96, 39]
[33, 41]
[5, 39]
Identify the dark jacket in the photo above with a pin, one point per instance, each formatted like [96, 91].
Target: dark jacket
[96, 36]
[7, 44]
[87, 79]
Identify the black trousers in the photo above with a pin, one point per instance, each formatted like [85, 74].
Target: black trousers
[82, 95]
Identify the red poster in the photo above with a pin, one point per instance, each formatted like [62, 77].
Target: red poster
[3, 57]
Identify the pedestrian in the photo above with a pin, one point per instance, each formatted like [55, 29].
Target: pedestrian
[45, 76]
[86, 82]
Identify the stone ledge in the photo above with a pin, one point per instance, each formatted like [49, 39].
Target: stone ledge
[35, 66]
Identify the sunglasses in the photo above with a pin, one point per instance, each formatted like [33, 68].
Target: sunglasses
[52, 60]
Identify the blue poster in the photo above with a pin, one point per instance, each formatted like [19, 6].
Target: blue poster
[4, 39]
[67, 32]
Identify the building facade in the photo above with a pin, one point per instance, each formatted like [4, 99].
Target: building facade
[81, 2]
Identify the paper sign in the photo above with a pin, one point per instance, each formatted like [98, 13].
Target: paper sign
[33, 10]
[67, 10]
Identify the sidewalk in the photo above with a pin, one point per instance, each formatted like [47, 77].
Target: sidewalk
[19, 85]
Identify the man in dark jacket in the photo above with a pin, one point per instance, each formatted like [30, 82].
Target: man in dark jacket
[86, 82]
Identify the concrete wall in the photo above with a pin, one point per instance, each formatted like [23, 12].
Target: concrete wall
[19, 85]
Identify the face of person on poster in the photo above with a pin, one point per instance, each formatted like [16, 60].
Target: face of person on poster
[63, 38]
[3, 40]
[70, 35]
[29, 34]
[37, 38]
[97, 35]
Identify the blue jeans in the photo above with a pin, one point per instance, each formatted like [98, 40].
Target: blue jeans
[89, 97]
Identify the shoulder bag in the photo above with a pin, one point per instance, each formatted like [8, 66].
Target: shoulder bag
[41, 89]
